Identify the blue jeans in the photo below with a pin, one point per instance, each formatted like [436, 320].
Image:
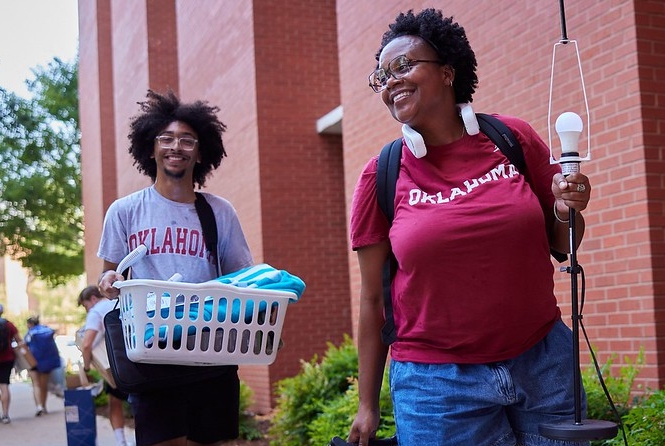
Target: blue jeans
[487, 404]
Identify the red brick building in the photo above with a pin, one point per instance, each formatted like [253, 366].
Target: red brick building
[287, 73]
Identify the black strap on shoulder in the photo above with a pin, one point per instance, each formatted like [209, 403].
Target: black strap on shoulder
[387, 172]
[504, 139]
[208, 225]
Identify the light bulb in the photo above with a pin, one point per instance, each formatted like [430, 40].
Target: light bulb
[569, 127]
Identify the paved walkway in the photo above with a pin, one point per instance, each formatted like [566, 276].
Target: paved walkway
[47, 430]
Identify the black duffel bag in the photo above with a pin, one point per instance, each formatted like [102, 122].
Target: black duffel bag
[137, 377]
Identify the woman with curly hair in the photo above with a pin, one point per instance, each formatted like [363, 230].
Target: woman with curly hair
[481, 356]
[177, 145]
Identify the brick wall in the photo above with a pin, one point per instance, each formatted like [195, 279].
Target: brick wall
[301, 171]
[97, 148]
[162, 45]
[650, 42]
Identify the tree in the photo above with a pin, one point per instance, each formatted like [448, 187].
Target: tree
[41, 217]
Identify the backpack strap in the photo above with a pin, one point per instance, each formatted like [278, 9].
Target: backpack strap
[208, 225]
[503, 138]
[387, 172]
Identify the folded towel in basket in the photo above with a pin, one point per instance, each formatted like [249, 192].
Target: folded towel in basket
[262, 276]
[265, 277]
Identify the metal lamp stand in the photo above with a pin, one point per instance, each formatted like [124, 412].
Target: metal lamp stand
[577, 429]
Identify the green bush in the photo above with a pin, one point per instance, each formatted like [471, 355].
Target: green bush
[644, 424]
[336, 418]
[302, 398]
[248, 427]
[642, 412]
[619, 387]
[101, 399]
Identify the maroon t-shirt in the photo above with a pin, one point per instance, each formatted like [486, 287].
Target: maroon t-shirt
[474, 282]
[8, 354]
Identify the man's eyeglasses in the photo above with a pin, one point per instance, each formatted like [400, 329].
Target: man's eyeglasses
[397, 68]
[169, 142]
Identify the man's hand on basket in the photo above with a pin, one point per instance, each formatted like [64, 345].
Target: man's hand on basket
[106, 281]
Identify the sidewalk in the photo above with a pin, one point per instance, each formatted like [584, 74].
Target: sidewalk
[47, 430]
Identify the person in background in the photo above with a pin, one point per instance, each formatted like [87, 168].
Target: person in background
[41, 342]
[96, 307]
[8, 333]
[177, 145]
[481, 355]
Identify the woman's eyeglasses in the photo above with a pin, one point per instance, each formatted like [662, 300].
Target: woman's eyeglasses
[397, 68]
[169, 142]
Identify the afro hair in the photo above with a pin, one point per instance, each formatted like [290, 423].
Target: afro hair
[447, 38]
[157, 112]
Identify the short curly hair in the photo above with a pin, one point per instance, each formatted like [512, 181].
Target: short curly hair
[447, 38]
[160, 110]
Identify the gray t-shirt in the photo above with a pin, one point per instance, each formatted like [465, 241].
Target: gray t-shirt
[172, 233]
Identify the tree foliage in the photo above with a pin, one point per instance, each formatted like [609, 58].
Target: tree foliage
[41, 217]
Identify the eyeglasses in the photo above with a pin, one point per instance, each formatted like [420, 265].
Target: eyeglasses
[169, 142]
[397, 68]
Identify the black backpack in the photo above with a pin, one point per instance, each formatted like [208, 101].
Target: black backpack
[386, 180]
[4, 335]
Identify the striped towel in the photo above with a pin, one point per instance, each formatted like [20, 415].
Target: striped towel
[266, 277]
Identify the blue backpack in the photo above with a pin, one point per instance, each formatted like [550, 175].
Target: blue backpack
[43, 347]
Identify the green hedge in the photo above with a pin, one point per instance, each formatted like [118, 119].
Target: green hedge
[320, 402]
[641, 411]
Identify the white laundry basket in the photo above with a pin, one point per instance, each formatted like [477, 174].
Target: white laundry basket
[207, 323]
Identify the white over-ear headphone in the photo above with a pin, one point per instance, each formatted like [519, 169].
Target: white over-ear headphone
[414, 140]
[469, 118]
